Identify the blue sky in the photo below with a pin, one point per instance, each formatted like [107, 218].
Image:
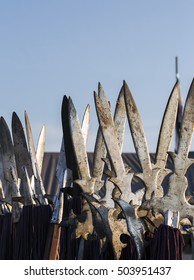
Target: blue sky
[53, 48]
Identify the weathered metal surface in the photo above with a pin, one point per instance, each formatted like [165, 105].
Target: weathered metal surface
[39, 187]
[118, 227]
[152, 174]
[175, 200]
[108, 225]
[109, 207]
[100, 152]
[165, 139]
[22, 155]
[86, 182]
[10, 170]
[122, 179]
[64, 176]
[23, 160]
[120, 118]
[135, 225]
[137, 131]
[85, 228]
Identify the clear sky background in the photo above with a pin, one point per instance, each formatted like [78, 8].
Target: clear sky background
[49, 49]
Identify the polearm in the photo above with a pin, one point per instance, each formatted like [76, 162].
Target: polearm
[64, 172]
[63, 175]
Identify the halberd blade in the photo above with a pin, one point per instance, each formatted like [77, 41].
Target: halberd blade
[85, 181]
[78, 142]
[100, 151]
[165, 139]
[109, 133]
[175, 202]
[121, 179]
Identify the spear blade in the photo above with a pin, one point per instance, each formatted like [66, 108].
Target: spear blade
[23, 160]
[10, 170]
[39, 187]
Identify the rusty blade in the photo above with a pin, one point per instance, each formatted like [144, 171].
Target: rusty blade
[120, 118]
[40, 149]
[137, 131]
[167, 127]
[100, 151]
[109, 134]
[136, 226]
[119, 176]
[85, 124]
[78, 143]
[187, 127]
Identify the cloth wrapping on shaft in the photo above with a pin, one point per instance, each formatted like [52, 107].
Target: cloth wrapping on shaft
[6, 236]
[29, 234]
[167, 244]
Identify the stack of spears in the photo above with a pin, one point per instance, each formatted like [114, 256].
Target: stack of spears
[95, 213]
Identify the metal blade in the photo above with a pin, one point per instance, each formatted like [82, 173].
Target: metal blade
[41, 148]
[85, 124]
[61, 164]
[78, 142]
[100, 150]
[8, 155]
[31, 144]
[137, 130]
[120, 118]
[136, 226]
[22, 155]
[109, 133]
[23, 160]
[186, 131]
[39, 187]
[174, 204]
[167, 127]
[10, 170]
[120, 177]
[68, 145]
